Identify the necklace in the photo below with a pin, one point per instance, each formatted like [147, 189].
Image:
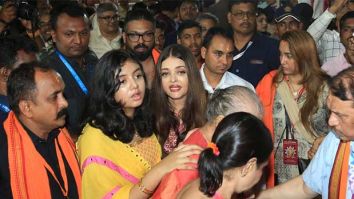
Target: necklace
[295, 92]
[136, 140]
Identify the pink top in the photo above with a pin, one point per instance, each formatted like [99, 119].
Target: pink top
[218, 196]
[173, 182]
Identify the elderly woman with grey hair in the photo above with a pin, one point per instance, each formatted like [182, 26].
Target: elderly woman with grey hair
[222, 103]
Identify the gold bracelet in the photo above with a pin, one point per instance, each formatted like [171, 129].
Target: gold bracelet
[143, 189]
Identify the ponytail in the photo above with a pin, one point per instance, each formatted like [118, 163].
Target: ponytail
[237, 138]
[210, 172]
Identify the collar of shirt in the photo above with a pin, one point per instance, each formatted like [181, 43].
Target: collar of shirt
[37, 140]
[206, 84]
[254, 37]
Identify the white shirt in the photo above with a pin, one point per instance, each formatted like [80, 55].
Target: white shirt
[227, 80]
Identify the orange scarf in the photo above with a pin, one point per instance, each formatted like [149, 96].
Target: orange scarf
[339, 176]
[266, 93]
[28, 172]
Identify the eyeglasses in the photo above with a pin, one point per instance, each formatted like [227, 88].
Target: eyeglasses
[241, 15]
[109, 18]
[147, 36]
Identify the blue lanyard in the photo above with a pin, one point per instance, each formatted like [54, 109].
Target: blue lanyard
[73, 73]
[4, 108]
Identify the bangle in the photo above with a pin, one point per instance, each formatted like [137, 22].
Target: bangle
[143, 189]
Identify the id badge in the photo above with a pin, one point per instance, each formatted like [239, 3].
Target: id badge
[290, 149]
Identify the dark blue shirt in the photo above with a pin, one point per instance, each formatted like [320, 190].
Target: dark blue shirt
[259, 59]
[74, 95]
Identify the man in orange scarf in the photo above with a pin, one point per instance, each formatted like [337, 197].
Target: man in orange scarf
[37, 156]
[331, 171]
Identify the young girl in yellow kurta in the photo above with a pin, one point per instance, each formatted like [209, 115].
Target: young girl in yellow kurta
[119, 154]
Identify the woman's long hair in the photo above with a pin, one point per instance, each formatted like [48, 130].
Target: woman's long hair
[105, 112]
[304, 51]
[193, 113]
[239, 137]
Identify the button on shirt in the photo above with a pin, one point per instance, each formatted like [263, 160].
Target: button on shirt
[261, 57]
[227, 80]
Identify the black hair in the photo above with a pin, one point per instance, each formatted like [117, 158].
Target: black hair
[346, 16]
[21, 84]
[107, 114]
[342, 84]
[73, 9]
[8, 53]
[154, 8]
[239, 137]
[194, 2]
[207, 15]
[168, 5]
[214, 31]
[262, 11]
[26, 44]
[139, 6]
[236, 2]
[10, 46]
[186, 25]
[139, 14]
[161, 25]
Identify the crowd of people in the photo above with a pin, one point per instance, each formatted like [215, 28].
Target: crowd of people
[176, 99]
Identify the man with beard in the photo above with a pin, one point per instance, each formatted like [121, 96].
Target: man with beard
[72, 59]
[37, 156]
[139, 39]
[346, 59]
[255, 54]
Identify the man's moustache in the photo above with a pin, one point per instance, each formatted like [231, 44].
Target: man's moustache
[62, 113]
